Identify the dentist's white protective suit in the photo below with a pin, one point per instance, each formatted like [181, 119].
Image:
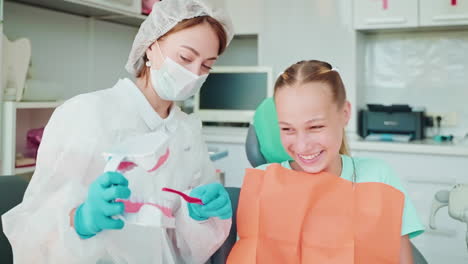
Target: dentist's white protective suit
[71, 158]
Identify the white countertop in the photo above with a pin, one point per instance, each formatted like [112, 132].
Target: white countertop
[234, 135]
[426, 146]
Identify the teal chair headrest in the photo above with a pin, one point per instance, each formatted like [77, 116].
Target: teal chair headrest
[268, 133]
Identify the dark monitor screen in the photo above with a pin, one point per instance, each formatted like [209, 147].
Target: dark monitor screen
[234, 91]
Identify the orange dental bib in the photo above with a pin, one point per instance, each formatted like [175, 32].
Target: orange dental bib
[290, 217]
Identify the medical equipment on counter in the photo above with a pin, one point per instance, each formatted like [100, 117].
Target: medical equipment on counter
[457, 202]
[216, 153]
[391, 123]
[15, 64]
[231, 94]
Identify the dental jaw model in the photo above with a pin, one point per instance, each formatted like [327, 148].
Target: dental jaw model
[457, 202]
[145, 153]
[143, 160]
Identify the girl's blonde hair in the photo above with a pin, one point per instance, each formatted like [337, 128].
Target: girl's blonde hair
[315, 71]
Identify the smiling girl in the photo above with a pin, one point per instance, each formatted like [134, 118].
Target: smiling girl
[322, 206]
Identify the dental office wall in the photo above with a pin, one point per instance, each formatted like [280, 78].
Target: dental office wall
[242, 51]
[304, 29]
[75, 53]
[427, 69]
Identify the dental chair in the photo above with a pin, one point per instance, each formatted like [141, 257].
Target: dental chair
[256, 158]
[12, 189]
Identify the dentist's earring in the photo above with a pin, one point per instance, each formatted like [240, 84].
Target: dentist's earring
[148, 64]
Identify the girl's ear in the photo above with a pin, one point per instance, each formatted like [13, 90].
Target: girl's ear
[347, 112]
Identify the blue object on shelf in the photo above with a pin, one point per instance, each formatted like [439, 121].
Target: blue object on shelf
[216, 154]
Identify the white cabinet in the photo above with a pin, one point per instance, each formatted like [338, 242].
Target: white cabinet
[247, 16]
[18, 118]
[133, 6]
[443, 12]
[422, 176]
[126, 12]
[380, 14]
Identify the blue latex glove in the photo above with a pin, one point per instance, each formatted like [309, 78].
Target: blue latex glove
[95, 214]
[216, 202]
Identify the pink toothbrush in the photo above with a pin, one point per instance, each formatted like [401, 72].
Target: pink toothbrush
[188, 199]
[132, 207]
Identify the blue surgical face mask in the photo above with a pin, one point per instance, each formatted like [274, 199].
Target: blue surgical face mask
[173, 82]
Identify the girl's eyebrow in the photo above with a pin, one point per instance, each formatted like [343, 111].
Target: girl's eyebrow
[308, 121]
[315, 119]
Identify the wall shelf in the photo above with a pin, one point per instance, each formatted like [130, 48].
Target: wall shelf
[25, 170]
[88, 9]
[34, 105]
[9, 132]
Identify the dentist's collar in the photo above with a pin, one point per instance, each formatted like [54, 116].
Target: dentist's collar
[147, 113]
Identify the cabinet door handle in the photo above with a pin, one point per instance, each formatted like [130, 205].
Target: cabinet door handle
[446, 232]
[376, 21]
[122, 2]
[447, 181]
[449, 18]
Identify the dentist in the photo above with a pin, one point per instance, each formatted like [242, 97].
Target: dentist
[70, 203]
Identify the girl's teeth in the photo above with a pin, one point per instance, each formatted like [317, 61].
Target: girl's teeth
[309, 157]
